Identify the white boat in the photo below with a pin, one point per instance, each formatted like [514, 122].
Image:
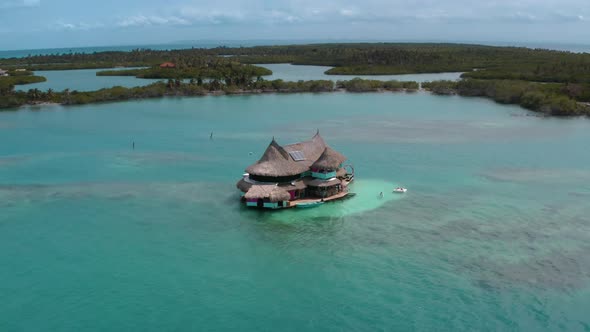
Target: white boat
[400, 190]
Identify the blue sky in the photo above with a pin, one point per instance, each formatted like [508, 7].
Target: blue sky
[74, 23]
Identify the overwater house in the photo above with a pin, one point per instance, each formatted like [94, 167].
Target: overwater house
[295, 174]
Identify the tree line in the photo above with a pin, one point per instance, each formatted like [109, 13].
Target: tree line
[491, 62]
[226, 71]
[549, 99]
[554, 82]
[10, 99]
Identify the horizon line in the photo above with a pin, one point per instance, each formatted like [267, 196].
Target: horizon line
[302, 41]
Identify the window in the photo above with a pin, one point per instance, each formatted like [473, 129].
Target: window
[297, 155]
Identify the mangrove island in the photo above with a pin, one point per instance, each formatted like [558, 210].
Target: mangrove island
[546, 81]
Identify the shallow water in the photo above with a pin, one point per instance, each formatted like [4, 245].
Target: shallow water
[82, 80]
[492, 235]
[289, 72]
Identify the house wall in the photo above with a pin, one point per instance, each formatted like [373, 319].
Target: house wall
[270, 205]
[267, 205]
[324, 191]
[324, 176]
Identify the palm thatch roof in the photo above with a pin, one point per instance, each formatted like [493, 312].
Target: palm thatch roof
[246, 183]
[330, 159]
[277, 162]
[243, 185]
[272, 192]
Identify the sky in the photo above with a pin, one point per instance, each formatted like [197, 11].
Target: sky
[29, 24]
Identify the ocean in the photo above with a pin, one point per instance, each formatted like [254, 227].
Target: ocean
[492, 234]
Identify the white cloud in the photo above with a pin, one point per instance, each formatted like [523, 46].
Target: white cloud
[261, 12]
[194, 15]
[61, 25]
[213, 16]
[377, 19]
[143, 20]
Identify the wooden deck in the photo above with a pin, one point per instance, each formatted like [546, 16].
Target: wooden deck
[327, 199]
[311, 200]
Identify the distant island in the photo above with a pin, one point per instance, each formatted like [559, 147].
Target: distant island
[551, 82]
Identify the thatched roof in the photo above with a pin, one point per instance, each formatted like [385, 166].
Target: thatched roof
[276, 161]
[323, 183]
[330, 159]
[272, 192]
[243, 185]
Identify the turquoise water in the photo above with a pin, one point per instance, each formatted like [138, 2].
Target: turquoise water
[492, 235]
[82, 80]
[289, 72]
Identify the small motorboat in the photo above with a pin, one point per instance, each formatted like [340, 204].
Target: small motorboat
[309, 205]
[400, 190]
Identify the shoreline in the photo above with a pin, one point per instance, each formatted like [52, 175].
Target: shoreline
[218, 93]
[245, 92]
[548, 82]
[535, 97]
[44, 103]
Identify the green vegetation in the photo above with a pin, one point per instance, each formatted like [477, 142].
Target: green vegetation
[8, 96]
[171, 88]
[549, 99]
[292, 87]
[361, 58]
[570, 68]
[136, 58]
[443, 87]
[67, 61]
[229, 72]
[402, 58]
[7, 81]
[361, 85]
[553, 82]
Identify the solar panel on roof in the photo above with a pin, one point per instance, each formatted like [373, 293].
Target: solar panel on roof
[297, 155]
